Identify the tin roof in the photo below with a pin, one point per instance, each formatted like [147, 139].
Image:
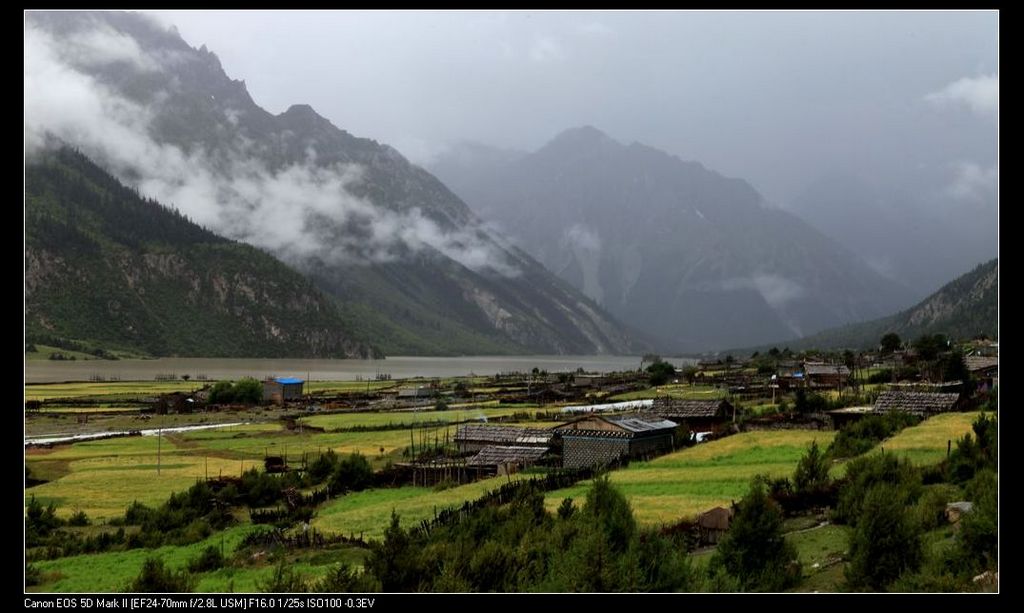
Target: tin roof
[288, 380]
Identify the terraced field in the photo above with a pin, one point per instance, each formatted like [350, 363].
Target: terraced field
[925, 443]
[685, 483]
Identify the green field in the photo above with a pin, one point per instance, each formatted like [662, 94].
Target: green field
[112, 571]
[408, 418]
[680, 390]
[368, 512]
[103, 477]
[111, 389]
[685, 483]
[925, 443]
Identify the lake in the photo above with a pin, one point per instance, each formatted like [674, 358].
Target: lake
[399, 367]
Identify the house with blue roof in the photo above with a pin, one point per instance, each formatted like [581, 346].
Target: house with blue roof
[281, 389]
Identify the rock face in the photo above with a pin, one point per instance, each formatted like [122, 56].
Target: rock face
[400, 252]
[106, 267]
[668, 246]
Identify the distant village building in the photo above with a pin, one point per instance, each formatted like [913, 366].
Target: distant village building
[924, 404]
[174, 402]
[984, 370]
[282, 389]
[820, 374]
[599, 439]
[422, 391]
[699, 415]
[588, 380]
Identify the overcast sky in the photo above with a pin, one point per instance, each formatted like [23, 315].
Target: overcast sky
[777, 98]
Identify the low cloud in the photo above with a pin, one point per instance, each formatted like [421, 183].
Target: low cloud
[300, 212]
[777, 291]
[582, 237]
[979, 94]
[972, 183]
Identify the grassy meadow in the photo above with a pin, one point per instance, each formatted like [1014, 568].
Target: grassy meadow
[683, 484]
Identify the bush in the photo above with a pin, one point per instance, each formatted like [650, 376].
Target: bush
[931, 508]
[156, 578]
[811, 471]
[661, 372]
[283, 581]
[248, 391]
[222, 392]
[863, 473]
[79, 519]
[886, 541]
[210, 559]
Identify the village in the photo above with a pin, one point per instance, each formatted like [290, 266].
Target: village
[474, 434]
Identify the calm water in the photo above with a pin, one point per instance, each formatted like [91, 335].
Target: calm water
[46, 371]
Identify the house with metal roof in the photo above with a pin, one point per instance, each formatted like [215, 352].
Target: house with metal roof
[280, 389]
[601, 439]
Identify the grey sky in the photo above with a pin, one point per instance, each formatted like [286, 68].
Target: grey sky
[777, 98]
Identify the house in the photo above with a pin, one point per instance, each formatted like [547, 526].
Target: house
[422, 391]
[588, 381]
[820, 374]
[282, 389]
[698, 415]
[984, 369]
[475, 437]
[505, 460]
[599, 439]
[925, 404]
[713, 524]
[175, 402]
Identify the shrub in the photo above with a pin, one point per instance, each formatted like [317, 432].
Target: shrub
[811, 471]
[754, 550]
[79, 519]
[864, 473]
[154, 577]
[886, 541]
[210, 559]
[283, 581]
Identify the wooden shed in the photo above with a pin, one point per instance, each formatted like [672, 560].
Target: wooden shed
[713, 524]
[506, 460]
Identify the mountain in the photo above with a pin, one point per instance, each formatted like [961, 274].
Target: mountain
[385, 238]
[919, 238]
[963, 308]
[676, 250]
[108, 268]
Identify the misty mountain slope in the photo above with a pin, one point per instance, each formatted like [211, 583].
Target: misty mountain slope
[109, 268]
[383, 236]
[919, 239]
[963, 308]
[668, 246]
